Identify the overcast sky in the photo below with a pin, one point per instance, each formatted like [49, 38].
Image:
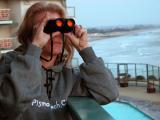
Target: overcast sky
[91, 13]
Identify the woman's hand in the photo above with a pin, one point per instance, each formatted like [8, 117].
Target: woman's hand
[79, 39]
[40, 38]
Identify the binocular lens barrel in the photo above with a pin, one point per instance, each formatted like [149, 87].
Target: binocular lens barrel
[70, 23]
[63, 25]
[59, 23]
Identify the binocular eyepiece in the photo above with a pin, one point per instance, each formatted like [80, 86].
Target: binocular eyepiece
[63, 25]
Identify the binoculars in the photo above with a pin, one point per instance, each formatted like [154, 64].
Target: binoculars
[63, 25]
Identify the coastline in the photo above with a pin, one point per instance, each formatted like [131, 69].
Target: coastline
[101, 36]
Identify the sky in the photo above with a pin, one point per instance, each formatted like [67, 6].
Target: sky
[99, 13]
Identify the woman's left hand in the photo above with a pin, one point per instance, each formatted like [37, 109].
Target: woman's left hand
[79, 39]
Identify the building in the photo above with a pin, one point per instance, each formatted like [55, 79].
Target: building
[11, 15]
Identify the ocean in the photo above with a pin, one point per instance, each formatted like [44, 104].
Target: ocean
[142, 47]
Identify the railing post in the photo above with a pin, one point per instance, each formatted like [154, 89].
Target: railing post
[136, 73]
[147, 74]
[118, 79]
[159, 78]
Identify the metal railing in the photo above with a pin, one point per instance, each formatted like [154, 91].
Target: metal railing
[136, 74]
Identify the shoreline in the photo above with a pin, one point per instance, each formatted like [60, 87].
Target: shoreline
[101, 36]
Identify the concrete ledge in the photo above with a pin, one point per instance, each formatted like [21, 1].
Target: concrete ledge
[84, 108]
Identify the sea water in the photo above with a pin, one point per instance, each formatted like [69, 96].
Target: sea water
[142, 47]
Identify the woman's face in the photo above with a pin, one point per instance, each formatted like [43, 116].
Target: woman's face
[56, 36]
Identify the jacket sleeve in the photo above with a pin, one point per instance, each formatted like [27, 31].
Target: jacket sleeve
[20, 81]
[94, 79]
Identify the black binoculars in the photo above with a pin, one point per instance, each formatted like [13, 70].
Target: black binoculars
[63, 25]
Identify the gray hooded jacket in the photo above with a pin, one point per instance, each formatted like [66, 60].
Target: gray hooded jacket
[23, 91]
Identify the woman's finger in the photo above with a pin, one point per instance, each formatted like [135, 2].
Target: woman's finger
[77, 30]
[84, 34]
[72, 38]
[44, 22]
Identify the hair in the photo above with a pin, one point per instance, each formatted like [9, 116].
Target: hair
[25, 31]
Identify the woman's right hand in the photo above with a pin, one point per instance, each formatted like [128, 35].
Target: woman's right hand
[40, 38]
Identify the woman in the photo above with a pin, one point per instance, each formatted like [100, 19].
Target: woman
[32, 88]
